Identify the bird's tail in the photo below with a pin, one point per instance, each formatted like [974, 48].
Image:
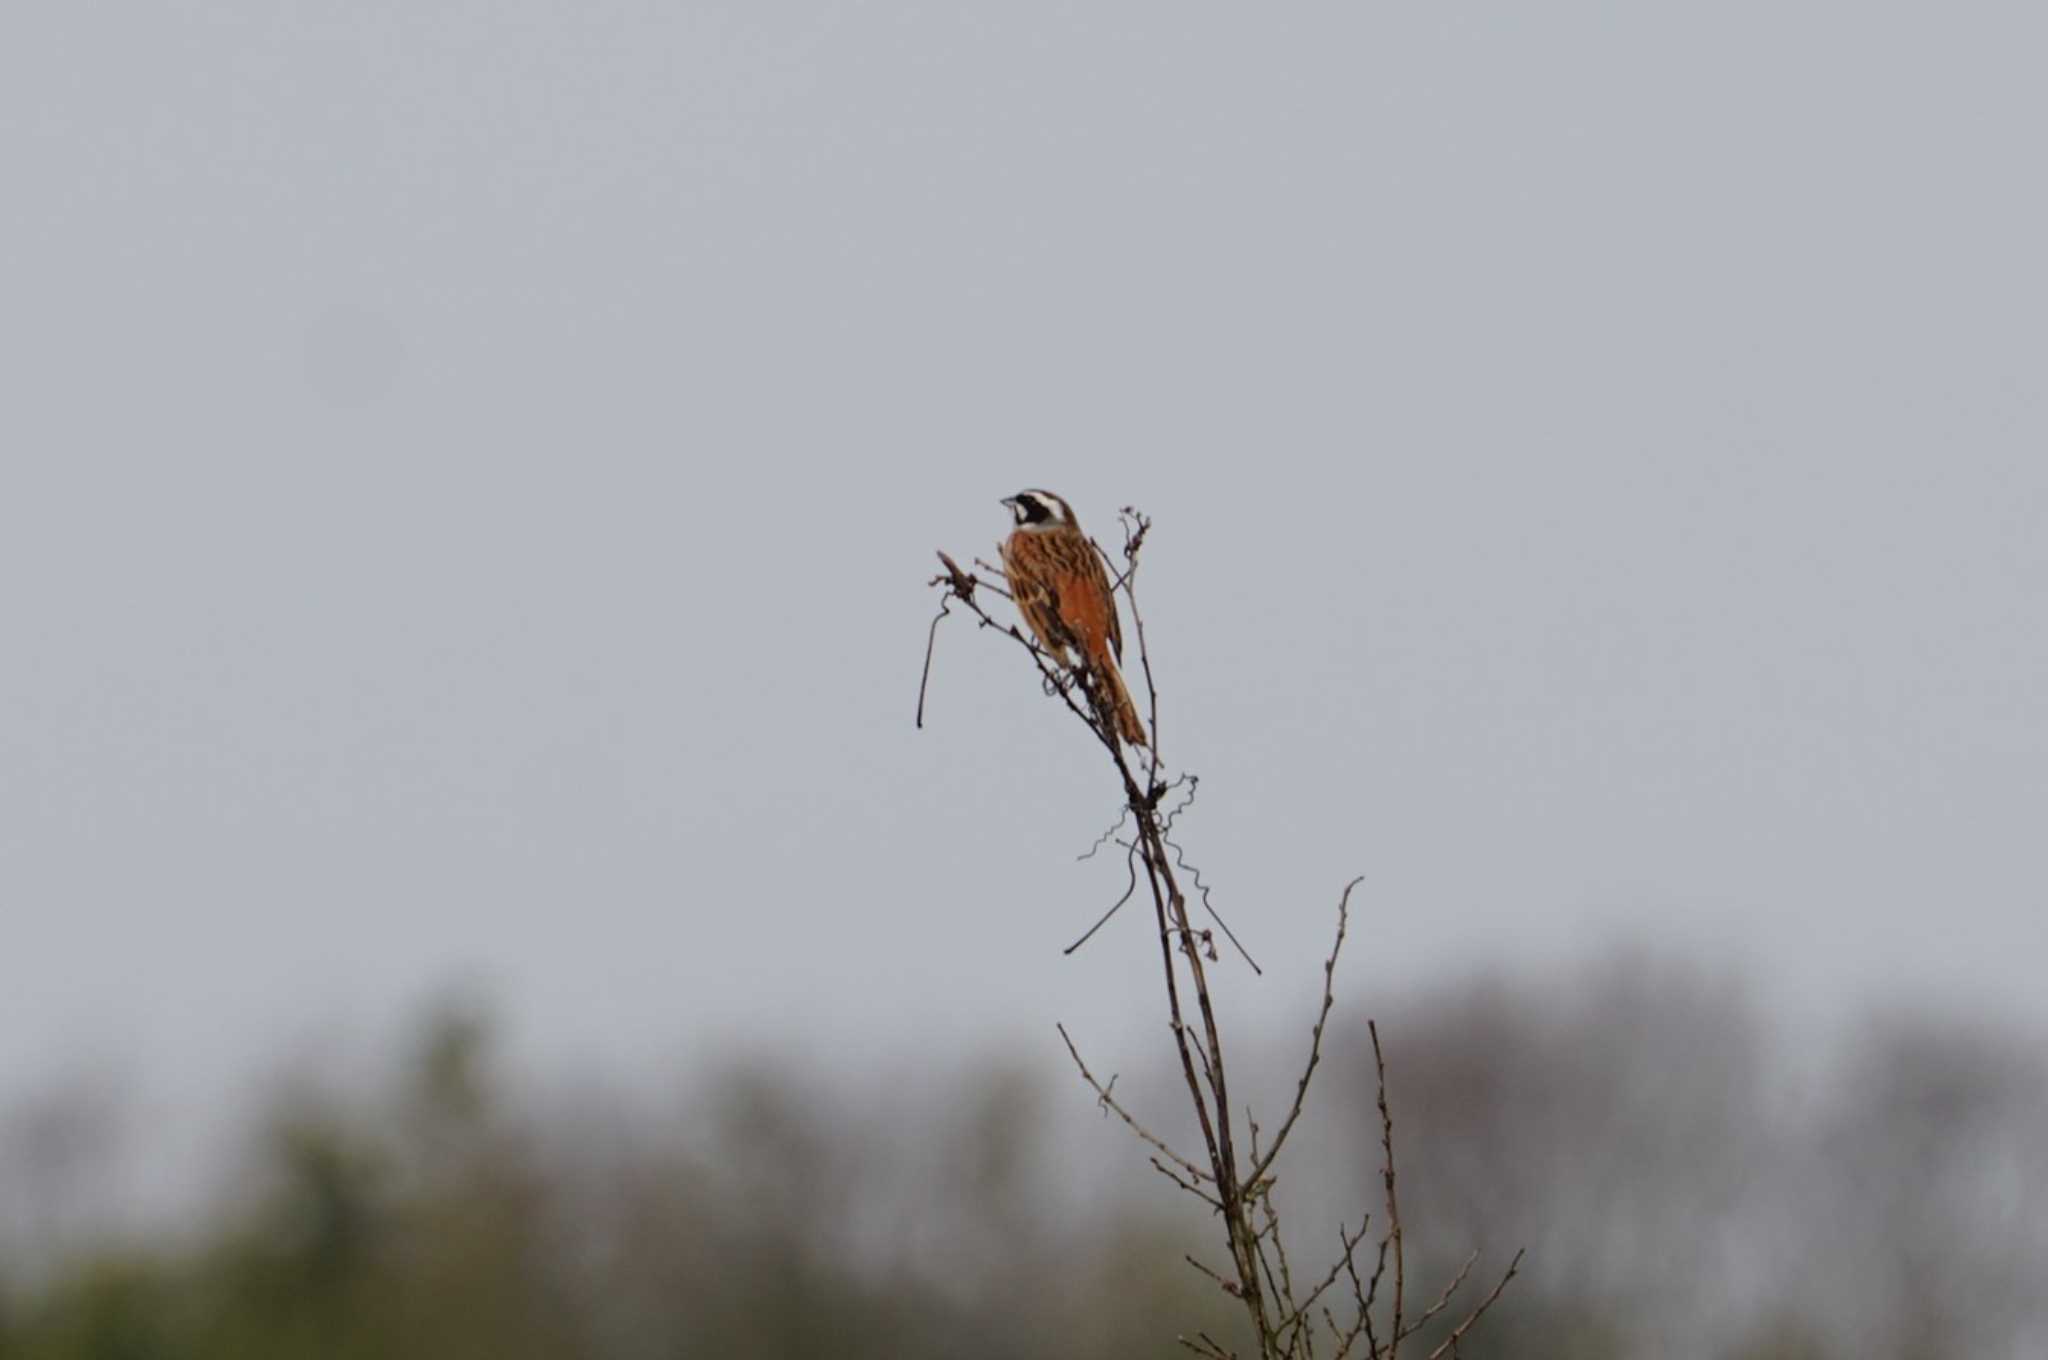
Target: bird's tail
[1123, 714]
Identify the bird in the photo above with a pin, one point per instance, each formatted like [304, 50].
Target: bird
[1056, 578]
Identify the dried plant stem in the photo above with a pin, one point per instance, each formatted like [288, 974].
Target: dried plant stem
[1260, 1276]
[1379, 1063]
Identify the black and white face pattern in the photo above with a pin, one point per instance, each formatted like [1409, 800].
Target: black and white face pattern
[1038, 510]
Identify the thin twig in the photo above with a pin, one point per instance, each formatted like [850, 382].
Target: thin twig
[1315, 1040]
[1195, 1190]
[1107, 837]
[1208, 1068]
[998, 574]
[1193, 783]
[1109, 1102]
[1195, 876]
[961, 585]
[1130, 889]
[1272, 1229]
[1208, 1347]
[1118, 575]
[1393, 1206]
[1280, 1282]
[1450, 1343]
[1349, 1243]
[1187, 1060]
[1366, 1298]
[1136, 526]
[1265, 1263]
[1444, 1298]
[1173, 814]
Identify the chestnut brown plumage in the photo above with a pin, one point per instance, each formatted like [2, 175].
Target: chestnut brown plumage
[1061, 589]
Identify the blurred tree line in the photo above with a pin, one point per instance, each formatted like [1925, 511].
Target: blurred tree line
[1685, 1188]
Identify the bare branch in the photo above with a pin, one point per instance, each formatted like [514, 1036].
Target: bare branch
[1365, 1298]
[1109, 1102]
[1284, 1290]
[1130, 889]
[1118, 575]
[1195, 876]
[1135, 527]
[1221, 1170]
[1107, 838]
[1449, 1345]
[961, 582]
[1393, 1206]
[1315, 1042]
[1272, 1280]
[960, 585]
[1349, 1243]
[1261, 1275]
[997, 573]
[1192, 782]
[1195, 1041]
[931, 641]
[1227, 1286]
[1203, 1195]
[1444, 1298]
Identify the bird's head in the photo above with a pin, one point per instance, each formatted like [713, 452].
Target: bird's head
[1039, 509]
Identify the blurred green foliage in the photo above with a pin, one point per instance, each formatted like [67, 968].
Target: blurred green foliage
[1681, 1190]
[435, 1221]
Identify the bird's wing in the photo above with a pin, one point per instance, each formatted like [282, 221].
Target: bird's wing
[1081, 588]
[1035, 594]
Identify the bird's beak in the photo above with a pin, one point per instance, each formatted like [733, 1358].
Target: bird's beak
[1008, 502]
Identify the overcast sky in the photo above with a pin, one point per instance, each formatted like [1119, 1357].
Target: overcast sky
[472, 470]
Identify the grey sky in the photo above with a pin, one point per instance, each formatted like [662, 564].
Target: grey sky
[471, 470]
